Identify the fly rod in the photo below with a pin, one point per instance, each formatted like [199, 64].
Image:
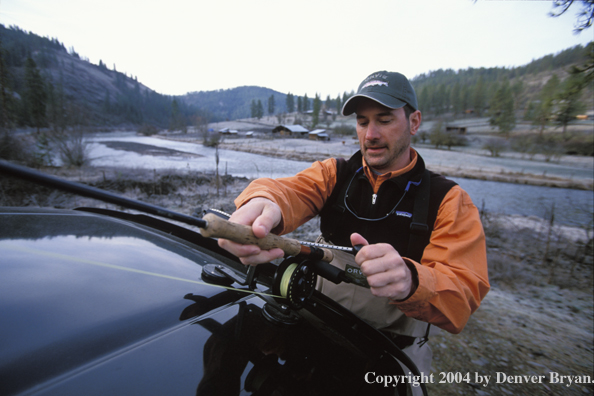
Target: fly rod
[211, 225]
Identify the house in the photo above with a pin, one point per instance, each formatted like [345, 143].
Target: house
[291, 130]
[318, 134]
[456, 129]
[227, 131]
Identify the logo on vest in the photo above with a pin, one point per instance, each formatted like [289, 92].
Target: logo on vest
[403, 214]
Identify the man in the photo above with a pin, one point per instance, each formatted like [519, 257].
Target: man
[424, 252]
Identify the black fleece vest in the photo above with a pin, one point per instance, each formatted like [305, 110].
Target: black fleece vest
[395, 196]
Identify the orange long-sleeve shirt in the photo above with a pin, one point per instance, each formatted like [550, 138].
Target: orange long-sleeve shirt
[452, 274]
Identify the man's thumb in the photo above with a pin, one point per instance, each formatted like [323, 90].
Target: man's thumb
[357, 239]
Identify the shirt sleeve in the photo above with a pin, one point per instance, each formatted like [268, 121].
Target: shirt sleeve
[452, 275]
[300, 197]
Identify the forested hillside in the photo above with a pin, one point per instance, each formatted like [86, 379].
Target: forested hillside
[39, 75]
[46, 85]
[474, 90]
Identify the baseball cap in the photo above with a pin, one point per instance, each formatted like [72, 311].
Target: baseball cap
[390, 89]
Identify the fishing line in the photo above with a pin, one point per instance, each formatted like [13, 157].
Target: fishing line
[127, 269]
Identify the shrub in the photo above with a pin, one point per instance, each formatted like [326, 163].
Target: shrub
[494, 146]
[345, 130]
[72, 147]
[148, 130]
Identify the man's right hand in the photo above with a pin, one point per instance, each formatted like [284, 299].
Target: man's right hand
[263, 215]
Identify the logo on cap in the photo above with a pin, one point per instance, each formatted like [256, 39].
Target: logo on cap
[374, 82]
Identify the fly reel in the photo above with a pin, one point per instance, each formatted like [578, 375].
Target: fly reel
[295, 281]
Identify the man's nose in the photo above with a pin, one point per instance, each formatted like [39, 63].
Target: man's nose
[372, 132]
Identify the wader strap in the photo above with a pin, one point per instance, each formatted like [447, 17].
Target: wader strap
[419, 230]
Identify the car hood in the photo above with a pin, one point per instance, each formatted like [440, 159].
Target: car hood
[77, 286]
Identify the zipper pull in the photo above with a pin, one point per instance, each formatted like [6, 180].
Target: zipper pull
[373, 198]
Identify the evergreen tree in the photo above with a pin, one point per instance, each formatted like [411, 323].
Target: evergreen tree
[479, 96]
[290, 103]
[569, 100]
[299, 104]
[254, 108]
[271, 105]
[425, 99]
[339, 103]
[455, 99]
[305, 103]
[259, 110]
[177, 119]
[543, 110]
[35, 95]
[502, 109]
[317, 106]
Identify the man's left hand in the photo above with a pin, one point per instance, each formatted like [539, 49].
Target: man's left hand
[386, 272]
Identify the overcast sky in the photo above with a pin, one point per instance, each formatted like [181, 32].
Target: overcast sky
[306, 46]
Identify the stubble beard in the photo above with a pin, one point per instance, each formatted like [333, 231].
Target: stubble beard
[387, 161]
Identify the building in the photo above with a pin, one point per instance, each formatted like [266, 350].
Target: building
[291, 130]
[318, 134]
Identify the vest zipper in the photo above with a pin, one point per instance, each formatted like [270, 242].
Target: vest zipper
[373, 198]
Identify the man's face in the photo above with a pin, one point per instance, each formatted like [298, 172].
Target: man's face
[384, 135]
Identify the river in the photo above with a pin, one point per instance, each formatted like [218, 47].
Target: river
[571, 207]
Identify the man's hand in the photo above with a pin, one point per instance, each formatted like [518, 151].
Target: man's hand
[386, 272]
[263, 215]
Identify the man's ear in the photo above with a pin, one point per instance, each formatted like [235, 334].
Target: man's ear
[415, 122]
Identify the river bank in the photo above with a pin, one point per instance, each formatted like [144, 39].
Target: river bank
[537, 318]
[469, 164]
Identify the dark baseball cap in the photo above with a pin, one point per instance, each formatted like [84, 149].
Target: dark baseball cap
[390, 89]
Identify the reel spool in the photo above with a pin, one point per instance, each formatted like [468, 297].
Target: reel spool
[294, 281]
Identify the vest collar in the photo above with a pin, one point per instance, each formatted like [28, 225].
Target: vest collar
[412, 172]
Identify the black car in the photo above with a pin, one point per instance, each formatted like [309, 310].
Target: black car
[98, 302]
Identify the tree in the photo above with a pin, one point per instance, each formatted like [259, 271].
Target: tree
[478, 96]
[543, 110]
[455, 99]
[176, 121]
[569, 100]
[35, 94]
[299, 104]
[254, 108]
[502, 109]
[259, 110]
[339, 103]
[290, 103]
[317, 106]
[305, 103]
[584, 17]
[271, 105]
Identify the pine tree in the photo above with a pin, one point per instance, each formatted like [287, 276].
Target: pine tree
[569, 100]
[479, 96]
[543, 110]
[259, 110]
[317, 106]
[35, 94]
[290, 103]
[502, 109]
[271, 105]
[254, 108]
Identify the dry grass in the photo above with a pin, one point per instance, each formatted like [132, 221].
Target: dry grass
[537, 318]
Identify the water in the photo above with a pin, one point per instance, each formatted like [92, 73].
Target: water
[572, 207]
[231, 162]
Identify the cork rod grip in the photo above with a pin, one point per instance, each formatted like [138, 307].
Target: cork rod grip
[220, 228]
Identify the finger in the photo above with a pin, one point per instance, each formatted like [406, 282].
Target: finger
[357, 239]
[238, 249]
[264, 256]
